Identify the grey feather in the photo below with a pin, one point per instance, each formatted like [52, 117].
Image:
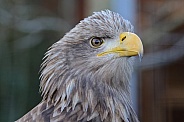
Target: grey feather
[77, 85]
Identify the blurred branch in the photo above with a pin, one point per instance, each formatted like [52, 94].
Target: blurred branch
[164, 57]
[42, 23]
[168, 8]
[169, 19]
[35, 25]
[152, 35]
[31, 27]
[28, 41]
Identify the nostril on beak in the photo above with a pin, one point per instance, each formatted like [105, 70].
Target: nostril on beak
[123, 38]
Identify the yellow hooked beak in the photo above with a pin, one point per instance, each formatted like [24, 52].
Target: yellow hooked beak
[129, 44]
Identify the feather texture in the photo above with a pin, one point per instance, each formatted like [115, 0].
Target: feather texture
[77, 85]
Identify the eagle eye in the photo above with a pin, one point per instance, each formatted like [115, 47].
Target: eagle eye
[96, 42]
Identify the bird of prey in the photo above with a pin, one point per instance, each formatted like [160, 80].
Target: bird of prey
[85, 76]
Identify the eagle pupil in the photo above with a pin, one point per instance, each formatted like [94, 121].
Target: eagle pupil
[97, 41]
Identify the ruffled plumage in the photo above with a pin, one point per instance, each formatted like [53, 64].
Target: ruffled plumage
[77, 85]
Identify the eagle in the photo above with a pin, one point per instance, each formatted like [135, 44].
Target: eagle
[85, 76]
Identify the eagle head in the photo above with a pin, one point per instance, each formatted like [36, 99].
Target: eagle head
[92, 65]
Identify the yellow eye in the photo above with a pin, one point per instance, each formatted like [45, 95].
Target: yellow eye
[96, 42]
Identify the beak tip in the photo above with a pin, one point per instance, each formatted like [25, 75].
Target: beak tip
[140, 55]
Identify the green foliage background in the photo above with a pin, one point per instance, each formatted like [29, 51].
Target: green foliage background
[27, 29]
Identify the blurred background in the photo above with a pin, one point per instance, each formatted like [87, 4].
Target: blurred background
[28, 28]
